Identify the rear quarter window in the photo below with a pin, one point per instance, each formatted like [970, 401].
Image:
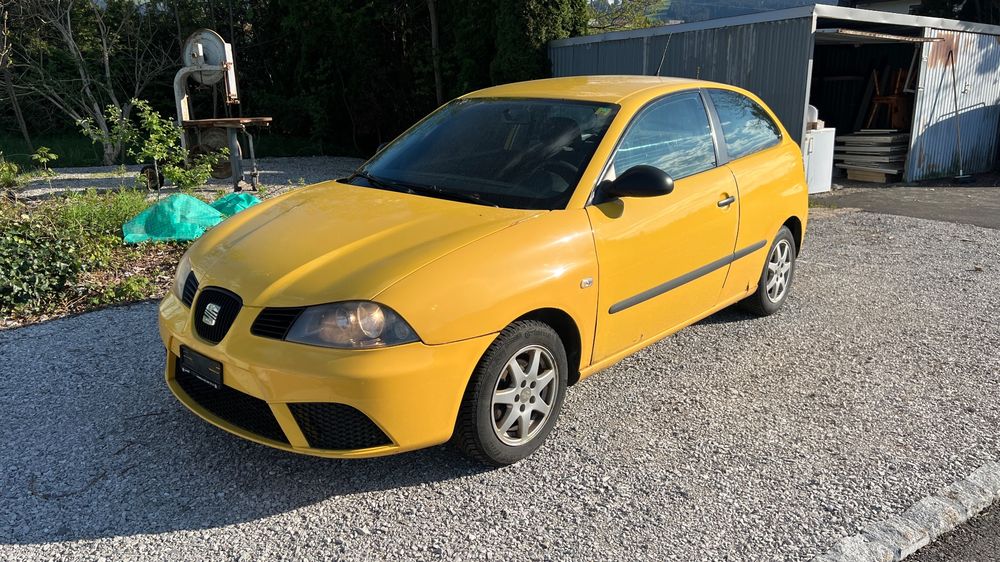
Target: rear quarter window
[746, 126]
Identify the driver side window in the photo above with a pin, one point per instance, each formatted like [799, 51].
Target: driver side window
[672, 134]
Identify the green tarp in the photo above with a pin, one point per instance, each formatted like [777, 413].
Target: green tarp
[182, 217]
[233, 203]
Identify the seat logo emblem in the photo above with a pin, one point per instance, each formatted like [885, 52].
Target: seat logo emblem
[211, 314]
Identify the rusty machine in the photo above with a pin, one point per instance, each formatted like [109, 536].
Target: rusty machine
[208, 60]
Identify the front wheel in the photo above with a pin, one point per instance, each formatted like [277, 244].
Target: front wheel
[514, 396]
[776, 278]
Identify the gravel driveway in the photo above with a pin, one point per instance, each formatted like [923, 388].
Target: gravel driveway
[736, 439]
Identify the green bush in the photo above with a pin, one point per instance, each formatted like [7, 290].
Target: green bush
[37, 261]
[196, 172]
[8, 174]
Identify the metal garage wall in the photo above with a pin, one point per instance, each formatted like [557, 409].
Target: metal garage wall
[933, 147]
[769, 58]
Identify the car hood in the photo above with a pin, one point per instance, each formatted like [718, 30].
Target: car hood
[334, 241]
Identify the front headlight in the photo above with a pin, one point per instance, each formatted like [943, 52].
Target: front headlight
[351, 324]
[183, 269]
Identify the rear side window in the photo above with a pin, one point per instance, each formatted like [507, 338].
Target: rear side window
[745, 124]
[672, 134]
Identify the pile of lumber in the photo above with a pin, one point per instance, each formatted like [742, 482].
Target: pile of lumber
[872, 155]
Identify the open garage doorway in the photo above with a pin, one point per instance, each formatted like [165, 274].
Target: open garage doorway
[864, 84]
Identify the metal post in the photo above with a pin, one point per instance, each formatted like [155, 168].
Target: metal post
[958, 120]
[254, 174]
[235, 159]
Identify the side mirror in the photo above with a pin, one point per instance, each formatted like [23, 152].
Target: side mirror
[640, 181]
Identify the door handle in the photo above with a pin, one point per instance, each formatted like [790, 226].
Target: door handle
[727, 201]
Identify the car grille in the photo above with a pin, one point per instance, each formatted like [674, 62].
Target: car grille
[337, 426]
[190, 289]
[275, 322]
[229, 304]
[230, 405]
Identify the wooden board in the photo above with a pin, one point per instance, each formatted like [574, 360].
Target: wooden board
[874, 136]
[872, 149]
[862, 158]
[884, 169]
[901, 140]
[870, 177]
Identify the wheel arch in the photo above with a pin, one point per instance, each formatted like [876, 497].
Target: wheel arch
[794, 224]
[567, 330]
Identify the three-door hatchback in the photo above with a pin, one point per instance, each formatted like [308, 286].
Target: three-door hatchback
[515, 241]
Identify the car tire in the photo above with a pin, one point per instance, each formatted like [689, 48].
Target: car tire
[514, 396]
[775, 278]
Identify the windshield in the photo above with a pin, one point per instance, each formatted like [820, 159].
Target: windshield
[516, 153]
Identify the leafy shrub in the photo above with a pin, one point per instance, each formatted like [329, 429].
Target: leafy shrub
[8, 174]
[159, 142]
[155, 140]
[44, 156]
[197, 171]
[162, 146]
[37, 261]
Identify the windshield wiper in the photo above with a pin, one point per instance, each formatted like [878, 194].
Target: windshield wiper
[435, 191]
[418, 189]
[378, 182]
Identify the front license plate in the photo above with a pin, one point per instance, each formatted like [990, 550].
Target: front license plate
[204, 369]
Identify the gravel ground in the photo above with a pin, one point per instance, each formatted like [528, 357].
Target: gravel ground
[277, 174]
[736, 439]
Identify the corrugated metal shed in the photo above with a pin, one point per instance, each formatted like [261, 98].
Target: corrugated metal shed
[771, 54]
[728, 54]
[933, 148]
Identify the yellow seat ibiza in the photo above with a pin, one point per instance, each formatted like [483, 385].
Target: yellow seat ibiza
[515, 241]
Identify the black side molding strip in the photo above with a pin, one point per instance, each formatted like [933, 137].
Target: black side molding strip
[684, 279]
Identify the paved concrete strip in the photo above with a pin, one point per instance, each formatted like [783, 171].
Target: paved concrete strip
[901, 535]
[967, 205]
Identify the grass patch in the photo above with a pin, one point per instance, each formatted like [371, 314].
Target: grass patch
[65, 255]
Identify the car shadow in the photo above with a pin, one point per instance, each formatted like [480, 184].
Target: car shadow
[96, 446]
[727, 315]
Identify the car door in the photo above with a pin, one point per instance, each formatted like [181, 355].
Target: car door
[663, 260]
[765, 170]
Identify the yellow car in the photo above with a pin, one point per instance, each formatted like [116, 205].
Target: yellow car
[515, 241]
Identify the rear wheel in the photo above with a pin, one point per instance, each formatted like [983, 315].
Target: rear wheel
[515, 395]
[776, 278]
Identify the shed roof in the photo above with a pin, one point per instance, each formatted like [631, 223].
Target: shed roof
[813, 11]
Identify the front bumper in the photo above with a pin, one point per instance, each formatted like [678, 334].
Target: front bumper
[377, 401]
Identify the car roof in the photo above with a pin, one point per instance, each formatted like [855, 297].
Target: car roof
[606, 89]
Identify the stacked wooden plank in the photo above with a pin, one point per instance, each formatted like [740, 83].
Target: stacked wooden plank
[872, 155]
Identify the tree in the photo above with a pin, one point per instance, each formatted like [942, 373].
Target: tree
[619, 15]
[524, 28]
[982, 11]
[82, 55]
[435, 52]
[6, 47]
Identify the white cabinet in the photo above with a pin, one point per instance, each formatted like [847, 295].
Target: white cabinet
[817, 152]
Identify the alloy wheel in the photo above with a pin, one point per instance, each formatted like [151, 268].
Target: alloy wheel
[524, 395]
[779, 270]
